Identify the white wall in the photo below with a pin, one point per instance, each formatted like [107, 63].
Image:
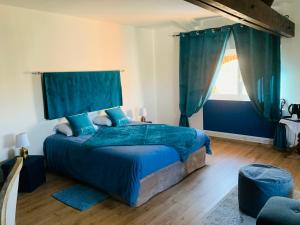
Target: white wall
[290, 55]
[39, 41]
[146, 62]
[166, 73]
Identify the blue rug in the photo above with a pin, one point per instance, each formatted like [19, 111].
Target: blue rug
[80, 197]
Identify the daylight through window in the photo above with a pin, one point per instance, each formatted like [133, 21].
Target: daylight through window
[229, 84]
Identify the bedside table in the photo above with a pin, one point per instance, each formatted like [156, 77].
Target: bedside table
[32, 175]
[294, 127]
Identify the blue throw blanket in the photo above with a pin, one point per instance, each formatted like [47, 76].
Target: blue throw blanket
[180, 138]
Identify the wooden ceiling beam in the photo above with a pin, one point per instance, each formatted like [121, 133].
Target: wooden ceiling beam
[254, 13]
[268, 2]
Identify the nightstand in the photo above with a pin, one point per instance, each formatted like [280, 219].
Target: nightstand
[294, 127]
[32, 175]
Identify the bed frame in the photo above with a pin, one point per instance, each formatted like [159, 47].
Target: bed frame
[169, 176]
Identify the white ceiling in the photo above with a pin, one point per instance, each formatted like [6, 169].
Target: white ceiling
[131, 12]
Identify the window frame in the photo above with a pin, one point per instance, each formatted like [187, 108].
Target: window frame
[231, 97]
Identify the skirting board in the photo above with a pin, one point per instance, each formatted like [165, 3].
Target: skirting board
[239, 137]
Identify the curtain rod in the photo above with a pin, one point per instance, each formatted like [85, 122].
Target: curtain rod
[209, 28]
[40, 73]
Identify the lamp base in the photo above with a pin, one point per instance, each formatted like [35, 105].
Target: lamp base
[24, 153]
[143, 119]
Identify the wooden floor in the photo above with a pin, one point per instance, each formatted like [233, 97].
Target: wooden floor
[185, 203]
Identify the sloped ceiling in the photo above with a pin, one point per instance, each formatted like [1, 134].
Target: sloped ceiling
[131, 12]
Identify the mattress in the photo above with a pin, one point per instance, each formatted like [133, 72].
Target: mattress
[113, 169]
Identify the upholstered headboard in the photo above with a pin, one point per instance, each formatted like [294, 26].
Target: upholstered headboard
[70, 93]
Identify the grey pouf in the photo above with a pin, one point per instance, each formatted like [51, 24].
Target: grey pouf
[280, 211]
[258, 183]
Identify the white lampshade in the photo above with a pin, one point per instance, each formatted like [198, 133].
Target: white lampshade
[22, 140]
[143, 112]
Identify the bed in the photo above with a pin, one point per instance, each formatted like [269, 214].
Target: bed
[132, 174]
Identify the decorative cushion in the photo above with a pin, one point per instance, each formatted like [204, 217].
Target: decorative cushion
[117, 116]
[64, 128]
[81, 124]
[102, 121]
[280, 211]
[258, 183]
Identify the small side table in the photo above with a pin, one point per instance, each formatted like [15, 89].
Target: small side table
[294, 127]
[32, 175]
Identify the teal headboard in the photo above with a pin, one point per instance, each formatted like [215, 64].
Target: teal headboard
[70, 93]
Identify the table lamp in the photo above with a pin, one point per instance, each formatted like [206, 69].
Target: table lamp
[22, 142]
[143, 114]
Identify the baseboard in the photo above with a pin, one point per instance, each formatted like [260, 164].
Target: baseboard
[239, 137]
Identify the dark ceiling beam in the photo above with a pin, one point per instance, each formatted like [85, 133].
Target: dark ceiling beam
[253, 13]
[268, 2]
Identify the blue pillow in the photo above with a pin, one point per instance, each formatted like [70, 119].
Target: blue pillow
[81, 124]
[117, 117]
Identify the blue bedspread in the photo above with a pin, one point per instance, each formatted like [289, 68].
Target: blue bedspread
[113, 169]
[180, 138]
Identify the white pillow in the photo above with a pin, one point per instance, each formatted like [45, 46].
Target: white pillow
[102, 121]
[64, 128]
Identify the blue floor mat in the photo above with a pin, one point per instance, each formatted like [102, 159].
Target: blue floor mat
[80, 197]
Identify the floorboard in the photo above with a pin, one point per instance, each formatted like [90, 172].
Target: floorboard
[183, 204]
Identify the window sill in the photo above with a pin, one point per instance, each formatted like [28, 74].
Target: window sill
[230, 98]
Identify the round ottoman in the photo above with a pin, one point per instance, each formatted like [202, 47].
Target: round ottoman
[258, 183]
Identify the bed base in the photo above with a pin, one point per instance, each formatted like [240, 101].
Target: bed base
[169, 176]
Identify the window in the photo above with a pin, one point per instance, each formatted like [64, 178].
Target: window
[229, 84]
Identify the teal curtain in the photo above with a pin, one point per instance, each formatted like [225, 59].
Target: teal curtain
[259, 60]
[280, 141]
[201, 55]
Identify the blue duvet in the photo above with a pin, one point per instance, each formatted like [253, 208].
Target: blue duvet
[181, 139]
[113, 169]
